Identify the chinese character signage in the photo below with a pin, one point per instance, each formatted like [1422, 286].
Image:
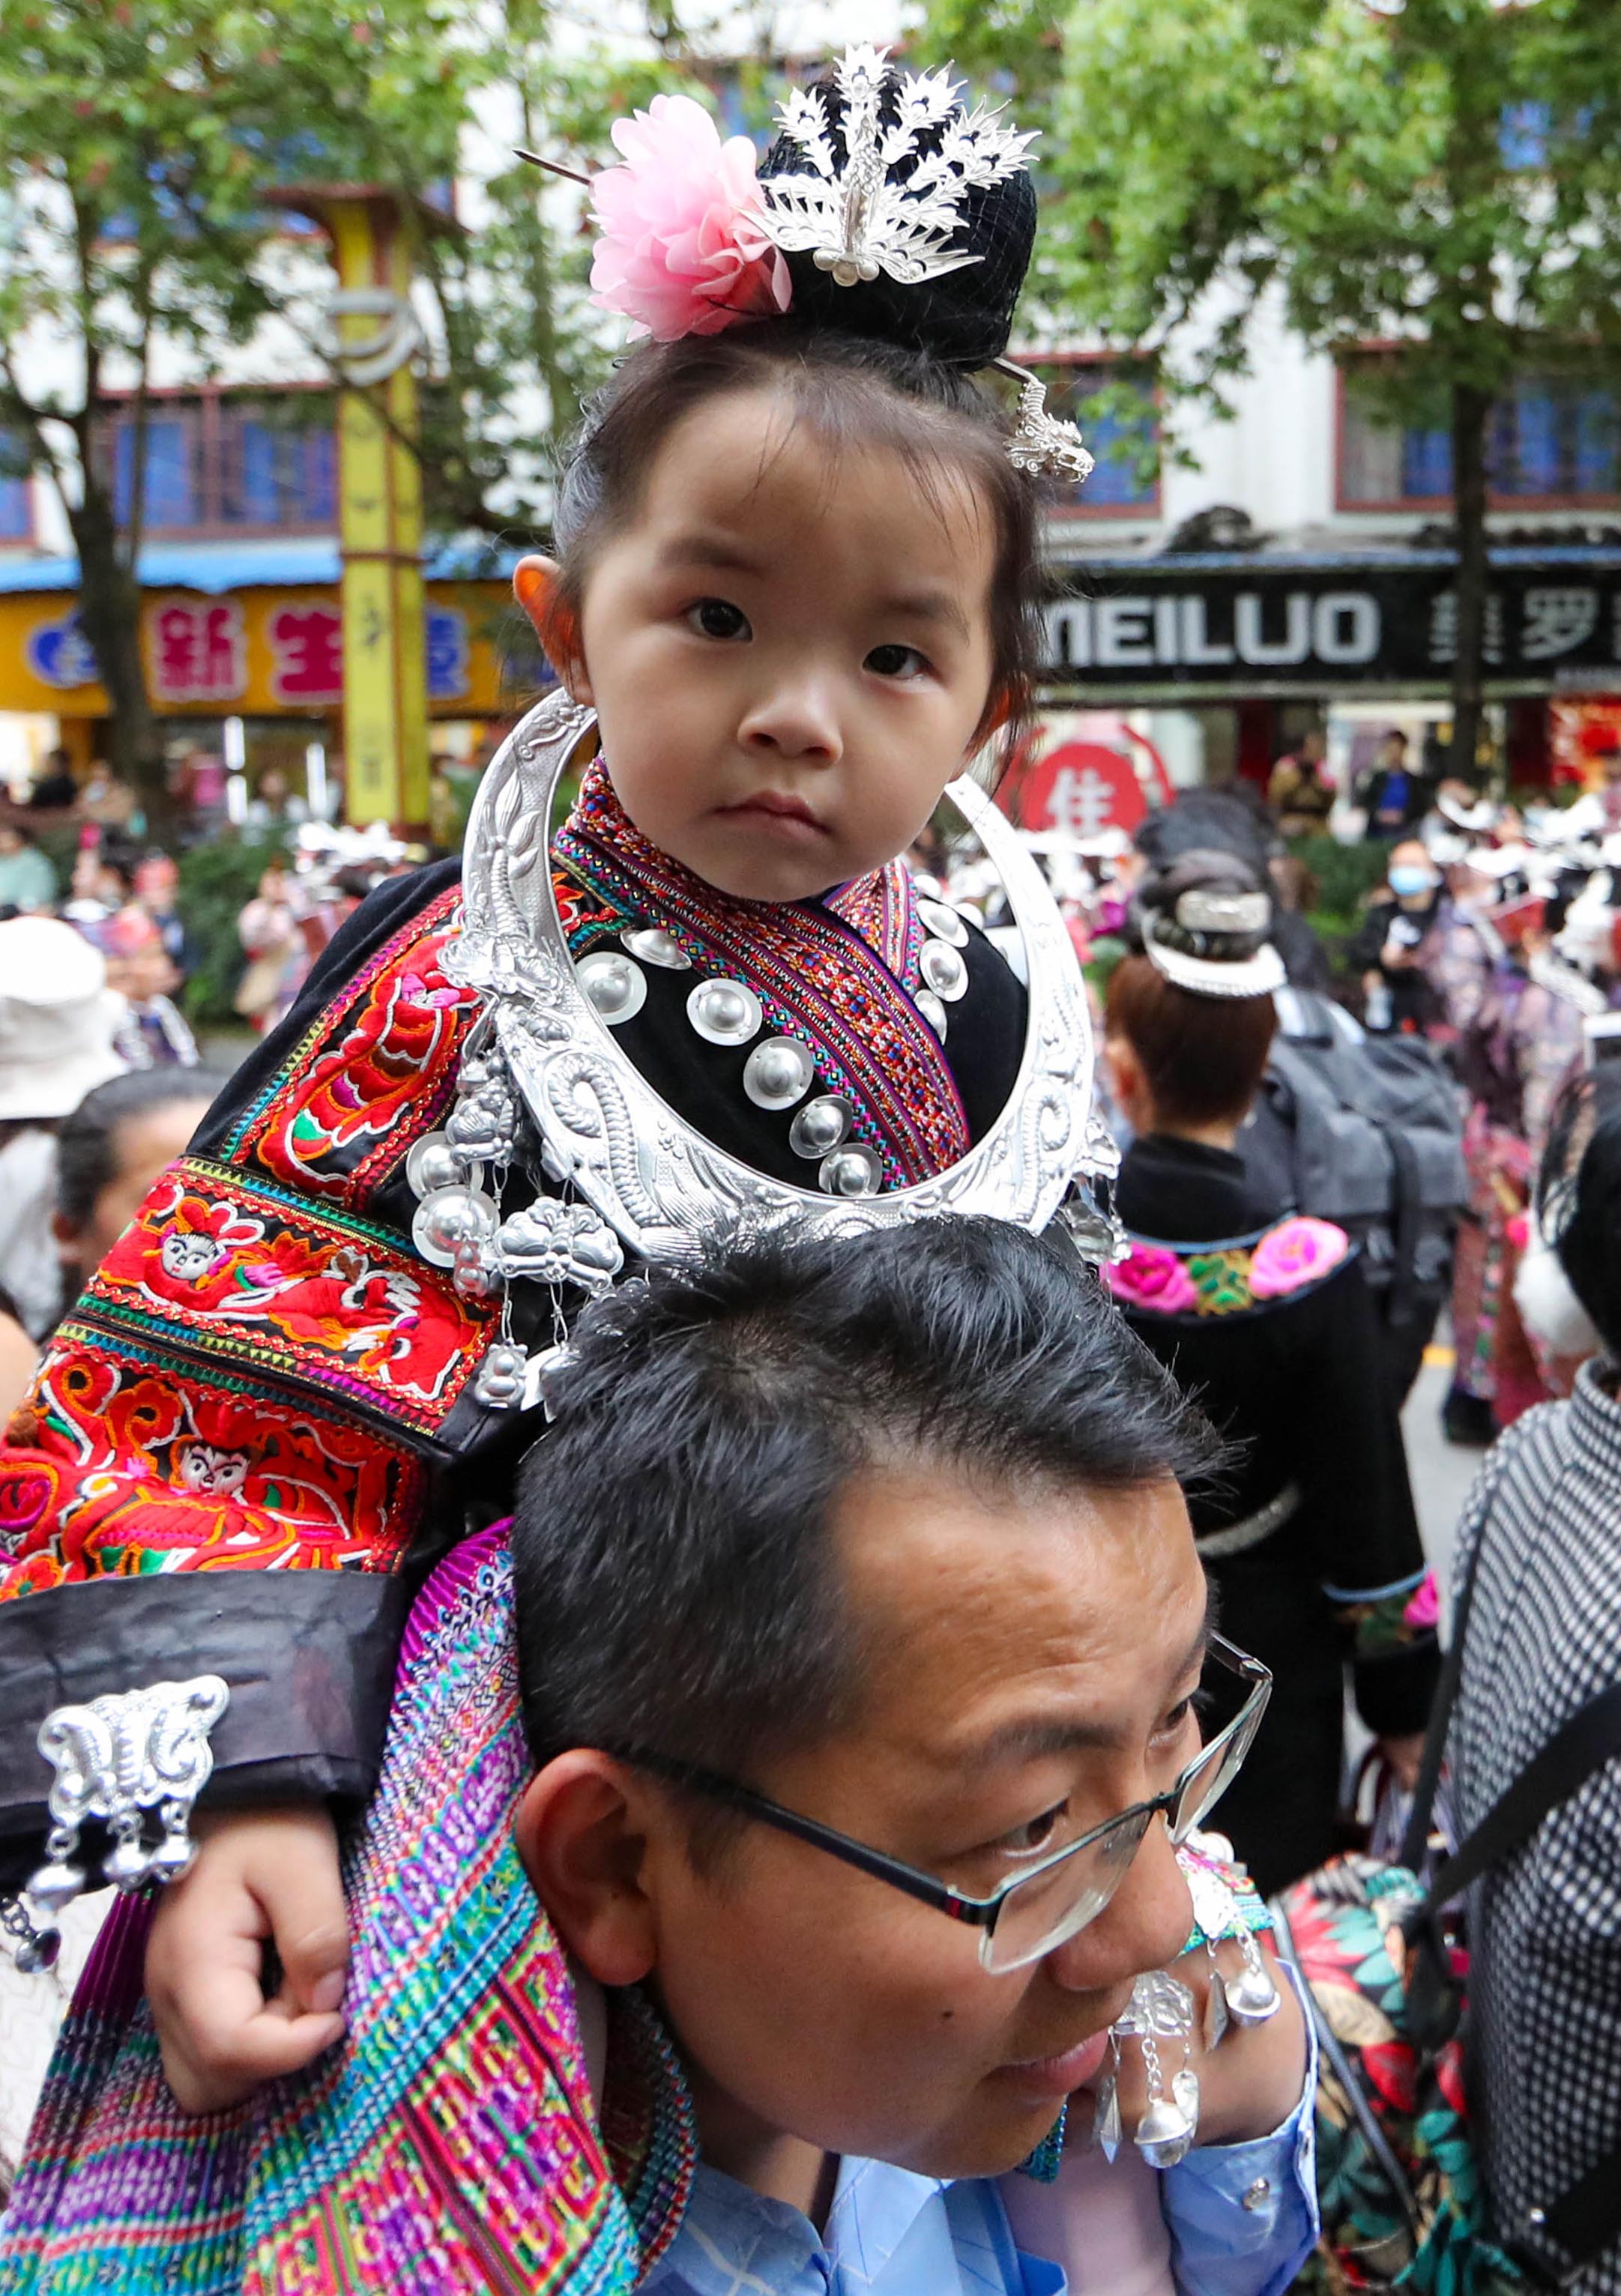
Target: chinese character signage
[306, 655]
[196, 650]
[1255, 626]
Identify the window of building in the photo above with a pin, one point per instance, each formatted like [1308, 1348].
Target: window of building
[1555, 443]
[16, 491]
[274, 473]
[1113, 402]
[217, 464]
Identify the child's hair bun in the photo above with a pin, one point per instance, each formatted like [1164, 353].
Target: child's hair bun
[963, 318]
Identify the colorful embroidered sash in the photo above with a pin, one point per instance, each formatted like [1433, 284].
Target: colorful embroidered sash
[449, 2145]
[839, 974]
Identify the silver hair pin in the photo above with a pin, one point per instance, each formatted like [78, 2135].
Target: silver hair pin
[857, 220]
[1041, 444]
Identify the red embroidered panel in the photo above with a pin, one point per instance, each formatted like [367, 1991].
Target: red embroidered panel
[118, 1466]
[219, 1262]
[371, 1079]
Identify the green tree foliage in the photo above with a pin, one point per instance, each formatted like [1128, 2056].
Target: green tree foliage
[138, 142]
[147, 151]
[1445, 176]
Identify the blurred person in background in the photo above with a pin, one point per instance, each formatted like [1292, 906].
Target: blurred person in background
[19, 1356]
[102, 882]
[1423, 957]
[59, 1024]
[1541, 1637]
[273, 803]
[54, 787]
[28, 881]
[1393, 794]
[270, 930]
[109, 1153]
[1236, 821]
[1311, 1544]
[157, 888]
[1519, 1049]
[105, 799]
[1299, 791]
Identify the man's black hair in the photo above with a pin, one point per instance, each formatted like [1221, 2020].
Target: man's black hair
[678, 1587]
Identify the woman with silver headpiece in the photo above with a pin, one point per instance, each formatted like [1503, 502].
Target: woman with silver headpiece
[1311, 1543]
[1548, 979]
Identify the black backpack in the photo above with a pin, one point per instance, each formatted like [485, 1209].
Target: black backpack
[1368, 1132]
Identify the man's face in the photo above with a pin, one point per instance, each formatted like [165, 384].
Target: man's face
[1031, 1663]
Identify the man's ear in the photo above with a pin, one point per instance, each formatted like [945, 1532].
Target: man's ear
[536, 586]
[66, 1240]
[581, 1840]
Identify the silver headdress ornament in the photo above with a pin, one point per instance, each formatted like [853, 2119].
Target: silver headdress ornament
[857, 221]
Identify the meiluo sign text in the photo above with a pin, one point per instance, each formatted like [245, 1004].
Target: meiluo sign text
[1188, 629]
[1245, 624]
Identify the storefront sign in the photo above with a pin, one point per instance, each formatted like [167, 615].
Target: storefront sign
[264, 653]
[1246, 626]
[1080, 789]
[196, 650]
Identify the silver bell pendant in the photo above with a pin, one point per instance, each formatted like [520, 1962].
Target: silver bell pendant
[1165, 2134]
[1251, 1997]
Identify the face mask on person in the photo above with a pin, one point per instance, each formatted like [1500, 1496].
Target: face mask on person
[1548, 1307]
[1410, 883]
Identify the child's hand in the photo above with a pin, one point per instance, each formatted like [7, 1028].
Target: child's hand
[264, 1877]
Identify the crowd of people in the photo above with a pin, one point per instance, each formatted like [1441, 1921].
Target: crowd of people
[707, 1781]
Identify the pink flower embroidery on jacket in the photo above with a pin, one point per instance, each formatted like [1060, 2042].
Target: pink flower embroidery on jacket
[1152, 1276]
[1298, 1252]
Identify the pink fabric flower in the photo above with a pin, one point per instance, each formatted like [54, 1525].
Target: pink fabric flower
[1151, 1276]
[681, 250]
[1294, 1254]
[1423, 1610]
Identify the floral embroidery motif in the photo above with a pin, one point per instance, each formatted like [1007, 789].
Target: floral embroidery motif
[361, 1088]
[1222, 1281]
[1167, 1280]
[253, 1274]
[1151, 1275]
[131, 1468]
[1297, 1252]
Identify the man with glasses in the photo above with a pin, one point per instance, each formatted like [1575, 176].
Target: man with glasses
[870, 1681]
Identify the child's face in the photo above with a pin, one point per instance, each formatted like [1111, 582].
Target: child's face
[789, 649]
[1034, 1661]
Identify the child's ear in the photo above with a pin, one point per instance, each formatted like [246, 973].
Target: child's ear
[537, 586]
[580, 1840]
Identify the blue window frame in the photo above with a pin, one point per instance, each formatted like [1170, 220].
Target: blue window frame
[16, 491]
[1557, 438]
[171, 490]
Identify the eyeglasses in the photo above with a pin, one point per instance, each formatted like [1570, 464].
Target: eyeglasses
[1037, 1910]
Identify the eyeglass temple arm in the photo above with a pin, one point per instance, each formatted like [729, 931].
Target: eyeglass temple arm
[982, 1914]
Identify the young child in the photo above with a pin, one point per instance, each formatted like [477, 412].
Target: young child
[796, 580]
[917, 1632]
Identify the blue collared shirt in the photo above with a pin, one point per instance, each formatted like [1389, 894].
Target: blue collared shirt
[1241, 2219]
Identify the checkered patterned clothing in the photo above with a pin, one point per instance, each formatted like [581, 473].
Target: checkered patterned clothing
[1543, 1638]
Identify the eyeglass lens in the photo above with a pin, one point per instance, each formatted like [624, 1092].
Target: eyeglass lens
[1053, 1906]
